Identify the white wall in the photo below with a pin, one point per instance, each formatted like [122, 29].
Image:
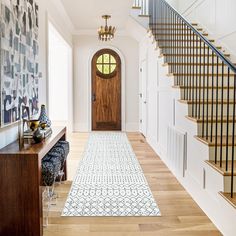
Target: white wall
[57, 16]
[60, 99]
[84, 48]
[173, 3]
[216, 16]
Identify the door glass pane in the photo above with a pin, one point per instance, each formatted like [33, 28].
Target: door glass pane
[113, 60]
[106, 69]
[106, 58]
[99, 67]
[113, 67]
[99, 60]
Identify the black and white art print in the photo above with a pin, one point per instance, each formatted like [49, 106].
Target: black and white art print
[19, 47]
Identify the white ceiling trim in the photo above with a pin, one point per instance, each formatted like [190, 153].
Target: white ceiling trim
[62, 11]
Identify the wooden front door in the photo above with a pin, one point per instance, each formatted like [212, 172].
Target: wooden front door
[106, 90]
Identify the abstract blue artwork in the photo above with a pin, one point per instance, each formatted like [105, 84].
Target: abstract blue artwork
[19, 47]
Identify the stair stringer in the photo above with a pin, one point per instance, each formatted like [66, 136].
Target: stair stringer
[201, 181]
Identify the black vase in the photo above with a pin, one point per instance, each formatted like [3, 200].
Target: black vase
[38, 136]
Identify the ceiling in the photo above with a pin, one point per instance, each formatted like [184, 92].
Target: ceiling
[86, 14]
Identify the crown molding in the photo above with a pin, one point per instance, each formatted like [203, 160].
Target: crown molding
[61, 9]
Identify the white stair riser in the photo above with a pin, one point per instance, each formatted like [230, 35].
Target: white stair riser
[200, 81]
[183, 50]
[208, 93]
[195, 59]
[169, 30]
[190, 68]
[179, 36]
[227, 184]
[210, 108]
[212, 153]
[213, 128]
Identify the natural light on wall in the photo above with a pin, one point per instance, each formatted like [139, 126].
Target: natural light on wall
[59, 82]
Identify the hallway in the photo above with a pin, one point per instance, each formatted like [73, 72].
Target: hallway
[159, 76]
[180, 214]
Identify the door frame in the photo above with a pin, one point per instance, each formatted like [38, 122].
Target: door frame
[123, 95]
[143, 115]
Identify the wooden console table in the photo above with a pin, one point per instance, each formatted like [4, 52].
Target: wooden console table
[21, 211]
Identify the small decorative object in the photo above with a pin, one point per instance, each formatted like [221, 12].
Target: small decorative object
[47, 132]
[38, 136]
[29, 134]
[43, 118]
[33, 124]
[43, 125]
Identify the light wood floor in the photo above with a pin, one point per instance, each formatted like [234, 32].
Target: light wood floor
[180, 214]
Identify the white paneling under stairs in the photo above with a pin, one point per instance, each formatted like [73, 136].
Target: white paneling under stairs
[177, 150]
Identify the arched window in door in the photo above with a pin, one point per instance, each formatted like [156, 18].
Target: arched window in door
[106, 66]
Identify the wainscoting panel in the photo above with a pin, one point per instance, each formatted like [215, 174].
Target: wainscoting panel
[177, 150]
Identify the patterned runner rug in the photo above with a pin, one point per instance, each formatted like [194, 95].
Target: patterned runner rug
[110, 181]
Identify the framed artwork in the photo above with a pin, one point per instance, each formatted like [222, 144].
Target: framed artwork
[19, 54]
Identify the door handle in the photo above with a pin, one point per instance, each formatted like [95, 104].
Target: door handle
[94, 97]
[145, 102]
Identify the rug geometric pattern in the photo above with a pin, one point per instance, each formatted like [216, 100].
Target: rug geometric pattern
[110, 181]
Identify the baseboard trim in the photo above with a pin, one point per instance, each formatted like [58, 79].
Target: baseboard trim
[132, 127]
[81, 127]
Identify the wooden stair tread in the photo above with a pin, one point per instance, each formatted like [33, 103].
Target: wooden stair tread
[136, 7]
[213, 142]
[225, 119]
[227, 197]
[144, 15]
[222, 169]
[205, 102]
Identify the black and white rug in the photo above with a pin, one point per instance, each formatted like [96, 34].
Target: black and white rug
[110, 181]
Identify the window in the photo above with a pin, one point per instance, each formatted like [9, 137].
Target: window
[106, 64]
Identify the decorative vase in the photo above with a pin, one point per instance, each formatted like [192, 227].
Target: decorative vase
[33, 124]
[43, 118]
[38, 136]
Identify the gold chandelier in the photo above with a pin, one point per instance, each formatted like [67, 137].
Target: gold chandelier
[106, 33]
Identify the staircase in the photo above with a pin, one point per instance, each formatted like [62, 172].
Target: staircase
[140, 13]
[206, 79]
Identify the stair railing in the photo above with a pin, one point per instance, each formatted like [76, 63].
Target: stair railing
[137, 3]
[143, 5]
[205, 75]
